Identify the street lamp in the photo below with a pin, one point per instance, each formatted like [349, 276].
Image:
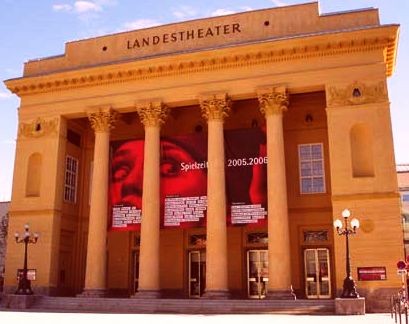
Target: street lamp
[349, 289]
[24, 285]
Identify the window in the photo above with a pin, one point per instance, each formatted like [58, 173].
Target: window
[405, 197]
[311, 164]
[71, 174]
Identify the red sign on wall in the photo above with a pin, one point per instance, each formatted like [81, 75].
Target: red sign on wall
[371, 273]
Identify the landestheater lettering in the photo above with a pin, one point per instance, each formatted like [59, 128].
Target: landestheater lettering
[185, 35]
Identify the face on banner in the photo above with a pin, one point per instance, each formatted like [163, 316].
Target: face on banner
[183, 180]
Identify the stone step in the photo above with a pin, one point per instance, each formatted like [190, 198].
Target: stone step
[129, 305]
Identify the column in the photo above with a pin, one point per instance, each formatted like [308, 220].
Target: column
[152, 115]
[95, 274]
[215, 109]
[273, 102]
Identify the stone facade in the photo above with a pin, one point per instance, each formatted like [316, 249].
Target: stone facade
[316, 83]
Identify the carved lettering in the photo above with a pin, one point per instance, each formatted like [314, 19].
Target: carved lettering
[236, 28]
[184, 35]
[190, 34]
[209, 32]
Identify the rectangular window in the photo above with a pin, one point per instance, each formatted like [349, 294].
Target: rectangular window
[311, 164]
[405, 197]
[71, 175]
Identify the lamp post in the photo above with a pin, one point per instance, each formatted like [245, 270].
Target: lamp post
[349, 289]
[24, 284]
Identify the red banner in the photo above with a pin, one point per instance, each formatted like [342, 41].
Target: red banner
[183, 180]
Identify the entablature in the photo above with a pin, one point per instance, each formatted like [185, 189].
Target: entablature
[382, 39]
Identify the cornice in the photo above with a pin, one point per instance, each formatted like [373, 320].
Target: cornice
[94, 77]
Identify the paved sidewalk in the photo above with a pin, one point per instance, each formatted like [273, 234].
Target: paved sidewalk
[79, 318]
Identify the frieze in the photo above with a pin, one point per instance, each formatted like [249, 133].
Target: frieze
[27, 86]
[38, 128]
[357, 93]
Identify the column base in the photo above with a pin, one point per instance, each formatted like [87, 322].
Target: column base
[280, 295]
[147, 294]
[216, 294]
[93, 293]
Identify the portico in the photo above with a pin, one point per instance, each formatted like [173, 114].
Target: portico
[247, 131]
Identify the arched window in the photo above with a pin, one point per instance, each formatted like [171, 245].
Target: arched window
[33, 182]
[361, 150]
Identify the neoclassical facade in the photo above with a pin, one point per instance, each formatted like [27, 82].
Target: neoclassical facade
[210, 158]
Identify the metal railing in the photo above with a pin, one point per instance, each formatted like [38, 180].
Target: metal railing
[400, 307]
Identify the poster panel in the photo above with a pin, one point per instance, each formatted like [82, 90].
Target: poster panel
[183, 180]
[246, 176]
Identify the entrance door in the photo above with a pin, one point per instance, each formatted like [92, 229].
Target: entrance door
[197, 273]
[257, 273]
[317, 273]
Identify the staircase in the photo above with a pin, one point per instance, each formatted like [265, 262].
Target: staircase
[182, 306]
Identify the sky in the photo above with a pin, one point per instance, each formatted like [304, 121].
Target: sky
[35, 29]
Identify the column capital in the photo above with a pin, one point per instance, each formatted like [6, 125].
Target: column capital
[153, 113]
[273, 100]
[215, 106]
[102, 120]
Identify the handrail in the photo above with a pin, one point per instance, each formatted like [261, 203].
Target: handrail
[399, 307]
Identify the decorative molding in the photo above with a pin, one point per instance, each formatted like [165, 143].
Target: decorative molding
[273, 100]
[366, 196]
[215, 107]
[102, 120]
[152, 114]
[357, 93]
[38, 128]
[37, 84]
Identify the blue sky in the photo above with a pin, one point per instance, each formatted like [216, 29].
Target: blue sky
[34, 29]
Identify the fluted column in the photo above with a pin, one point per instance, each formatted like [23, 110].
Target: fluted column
[152, 115]
[102, 121]
[215, 109]
[273, 102]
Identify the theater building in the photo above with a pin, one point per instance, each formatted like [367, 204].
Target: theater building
[210, 158]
